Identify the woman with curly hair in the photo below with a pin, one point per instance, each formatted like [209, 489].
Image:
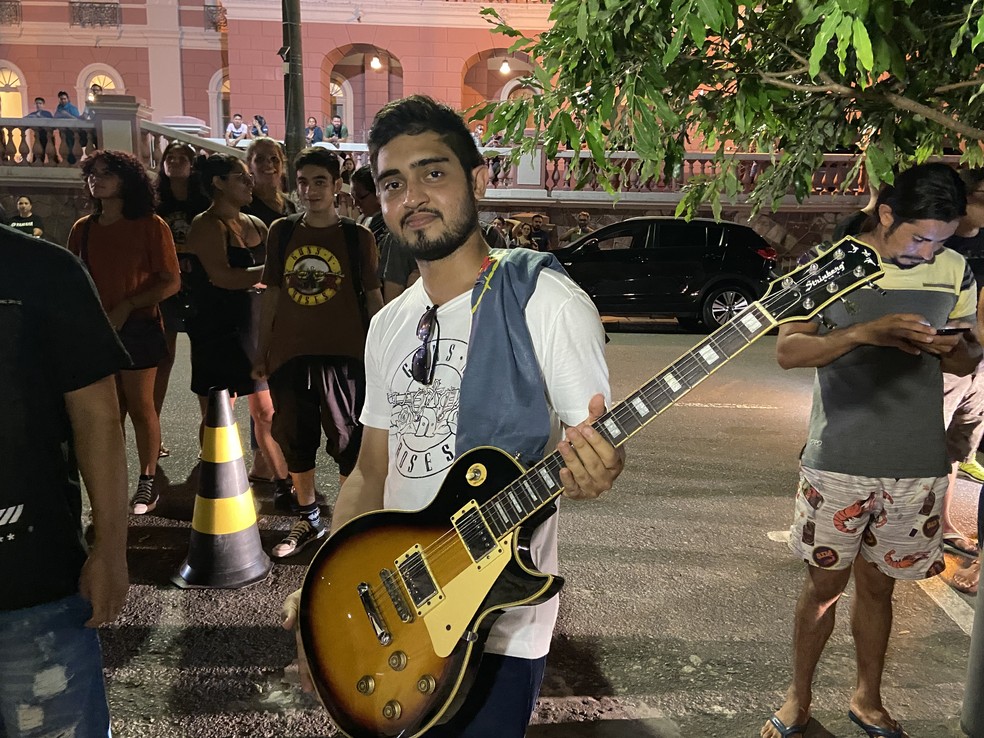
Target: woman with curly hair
[231, 247]
[129, 252]
[180, 199]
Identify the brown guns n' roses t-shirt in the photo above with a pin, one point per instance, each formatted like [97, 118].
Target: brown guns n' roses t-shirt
[318, 312]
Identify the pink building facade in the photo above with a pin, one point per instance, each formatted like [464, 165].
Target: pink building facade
[208, 60]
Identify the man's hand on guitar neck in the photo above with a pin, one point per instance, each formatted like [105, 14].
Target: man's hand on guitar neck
[592, 463]
[290, 609]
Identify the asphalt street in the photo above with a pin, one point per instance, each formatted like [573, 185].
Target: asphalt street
[675, 618]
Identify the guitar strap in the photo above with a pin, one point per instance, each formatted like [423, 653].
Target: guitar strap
[503, 400]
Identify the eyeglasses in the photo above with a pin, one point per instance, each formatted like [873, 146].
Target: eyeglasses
[424, 363]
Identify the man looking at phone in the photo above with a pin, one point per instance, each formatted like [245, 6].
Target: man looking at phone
[874, 469]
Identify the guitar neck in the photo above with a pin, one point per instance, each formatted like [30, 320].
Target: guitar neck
[541, 484]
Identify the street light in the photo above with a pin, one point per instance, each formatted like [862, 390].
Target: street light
[505, 68]
[375, 63]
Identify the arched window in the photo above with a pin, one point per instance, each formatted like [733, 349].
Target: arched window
[11, 100]
[101, 74]
[218, 101]
[106, 82]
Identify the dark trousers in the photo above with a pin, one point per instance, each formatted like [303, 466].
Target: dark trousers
[501, 701]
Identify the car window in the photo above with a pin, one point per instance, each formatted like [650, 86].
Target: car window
[623, 238]
[680, 234]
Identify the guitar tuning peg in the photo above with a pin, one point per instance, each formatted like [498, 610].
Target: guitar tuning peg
[879, 290]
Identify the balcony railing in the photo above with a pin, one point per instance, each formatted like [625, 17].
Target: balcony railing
[10, 13]
[95, 14]
[45, 142]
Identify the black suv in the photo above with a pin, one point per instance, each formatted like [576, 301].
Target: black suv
[703, 272]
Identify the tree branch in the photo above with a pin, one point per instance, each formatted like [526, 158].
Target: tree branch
[958, 85]
[937, 116]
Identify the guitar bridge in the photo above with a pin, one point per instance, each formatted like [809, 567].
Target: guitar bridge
[375, 618]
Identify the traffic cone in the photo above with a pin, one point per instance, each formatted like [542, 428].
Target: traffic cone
[225, 550]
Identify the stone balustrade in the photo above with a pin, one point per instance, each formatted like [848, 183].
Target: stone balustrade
[45, 142]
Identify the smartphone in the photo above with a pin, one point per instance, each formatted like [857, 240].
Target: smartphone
[951, 330]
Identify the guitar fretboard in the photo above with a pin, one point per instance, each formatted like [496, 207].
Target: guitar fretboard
[541, 484]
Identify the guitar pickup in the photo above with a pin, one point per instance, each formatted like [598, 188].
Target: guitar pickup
[396, 595]
[418, 580]
[474, 532]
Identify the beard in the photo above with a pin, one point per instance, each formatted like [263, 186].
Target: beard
[456, 232]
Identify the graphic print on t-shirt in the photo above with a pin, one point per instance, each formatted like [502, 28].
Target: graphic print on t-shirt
[313, 275]
[424, 418]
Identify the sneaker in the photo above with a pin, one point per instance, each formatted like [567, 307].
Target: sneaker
[971, 469]
[301, 534]
[145, 498]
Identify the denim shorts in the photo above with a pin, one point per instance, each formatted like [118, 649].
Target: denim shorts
[51, 678]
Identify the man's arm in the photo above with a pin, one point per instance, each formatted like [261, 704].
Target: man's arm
[95, 418]
[268, 314]
[363, 489]
[374, 301]
[800, 345]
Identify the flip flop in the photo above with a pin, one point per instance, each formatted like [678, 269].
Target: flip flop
[958, 544]
[876, 731]
[787, 731]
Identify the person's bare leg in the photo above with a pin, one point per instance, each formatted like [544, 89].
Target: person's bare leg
[164, 371]
[871, 626]
[138, 389]
[261, 410]
[956, 537]
[812, 625]
[304, 486]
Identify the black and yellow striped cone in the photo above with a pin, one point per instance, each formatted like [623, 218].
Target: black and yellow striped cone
[225, 550]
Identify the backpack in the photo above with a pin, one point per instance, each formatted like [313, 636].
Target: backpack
[351, 230]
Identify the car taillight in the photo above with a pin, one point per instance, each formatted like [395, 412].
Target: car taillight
[767, 253]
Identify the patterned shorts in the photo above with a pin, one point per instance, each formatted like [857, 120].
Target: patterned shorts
[894, 523]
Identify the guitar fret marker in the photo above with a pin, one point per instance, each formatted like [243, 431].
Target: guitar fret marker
[751, 322]
[708, 354]
[531, 493]
[547, 478]
[672, 382]
[641, 407]
[612, 427]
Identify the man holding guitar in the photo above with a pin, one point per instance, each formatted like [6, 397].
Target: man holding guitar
[486, 349]
[874, 468]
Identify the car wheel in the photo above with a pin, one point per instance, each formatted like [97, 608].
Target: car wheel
[722, 304]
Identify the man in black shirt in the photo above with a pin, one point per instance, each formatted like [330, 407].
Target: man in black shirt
[58, 360]
[26, 221]
[539, 237]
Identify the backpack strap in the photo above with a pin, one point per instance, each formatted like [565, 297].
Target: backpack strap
[351, 230]
[287, 232]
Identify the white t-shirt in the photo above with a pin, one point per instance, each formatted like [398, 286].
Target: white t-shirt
[237, 132]
[422, 420]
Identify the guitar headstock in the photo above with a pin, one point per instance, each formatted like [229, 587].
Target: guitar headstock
[805, 291]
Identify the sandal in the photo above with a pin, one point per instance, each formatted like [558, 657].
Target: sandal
[960, 545]
[786, 731]
[876, 731]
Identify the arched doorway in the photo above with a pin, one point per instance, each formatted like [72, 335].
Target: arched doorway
[12, 92]
[218, 102]
[357, 80]
[486, 74]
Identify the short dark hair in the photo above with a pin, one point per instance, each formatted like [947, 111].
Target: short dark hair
[39, 99]
[318, 157]
[237, 115]
[925, 192]
[136, 189]
[62, 92]
[216, 165]
[363, 176]
[419, 114]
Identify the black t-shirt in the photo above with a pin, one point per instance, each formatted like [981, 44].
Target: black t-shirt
[26, 225]
[540, 239]
[267, 214]
[54, 338]
[972, 249]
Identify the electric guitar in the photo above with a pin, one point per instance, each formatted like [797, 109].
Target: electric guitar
[396, 605]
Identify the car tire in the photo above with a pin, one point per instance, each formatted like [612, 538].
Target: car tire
[721, 304]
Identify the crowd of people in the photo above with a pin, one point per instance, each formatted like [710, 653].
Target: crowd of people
[416, 300]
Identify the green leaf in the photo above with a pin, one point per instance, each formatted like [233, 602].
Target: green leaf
[698, 31]
[582, 22]
[710, 13]
[862, 45]
[826, 32]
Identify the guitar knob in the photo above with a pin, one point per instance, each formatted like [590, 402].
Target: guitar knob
[392, 710]
[426, 684]
[398, 661]
[366, 685]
